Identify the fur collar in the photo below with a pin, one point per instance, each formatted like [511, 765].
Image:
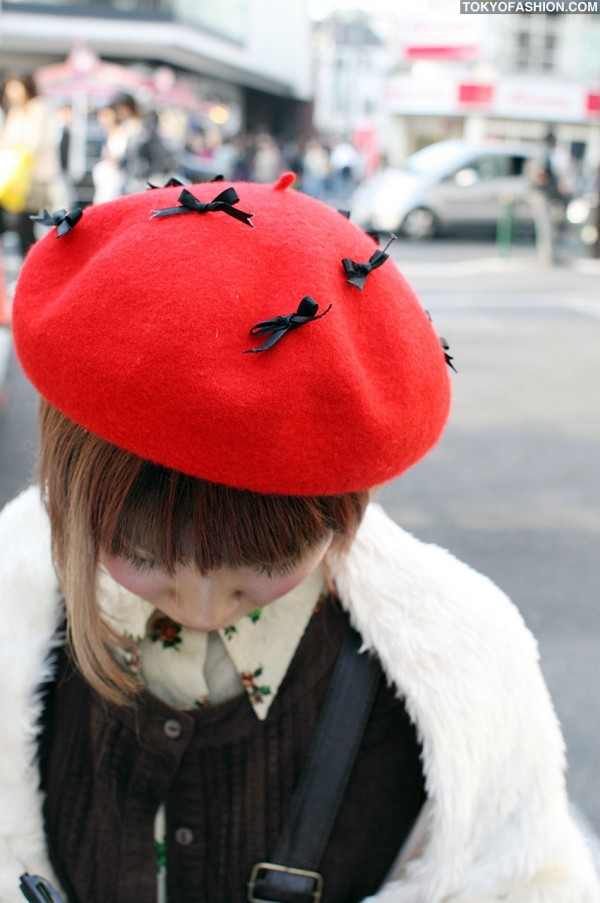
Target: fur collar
[496, 824]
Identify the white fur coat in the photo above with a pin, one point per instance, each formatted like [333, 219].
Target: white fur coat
[496, 826]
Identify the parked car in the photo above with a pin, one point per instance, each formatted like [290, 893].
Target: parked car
[446, 185]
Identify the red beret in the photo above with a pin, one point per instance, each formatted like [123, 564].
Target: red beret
[136, 325]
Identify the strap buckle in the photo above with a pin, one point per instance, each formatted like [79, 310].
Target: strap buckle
[257, 876]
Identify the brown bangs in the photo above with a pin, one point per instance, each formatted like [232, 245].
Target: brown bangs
[101, 497]
[175, 518]
[134, 504]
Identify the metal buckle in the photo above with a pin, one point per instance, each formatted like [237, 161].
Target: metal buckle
[255, 875]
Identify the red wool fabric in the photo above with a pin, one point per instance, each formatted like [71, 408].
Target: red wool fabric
[135, 327]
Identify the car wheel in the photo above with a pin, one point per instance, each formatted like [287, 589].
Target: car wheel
[419, 224]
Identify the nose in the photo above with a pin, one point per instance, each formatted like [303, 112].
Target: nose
[208, 602]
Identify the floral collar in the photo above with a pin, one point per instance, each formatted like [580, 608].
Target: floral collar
[190, 669]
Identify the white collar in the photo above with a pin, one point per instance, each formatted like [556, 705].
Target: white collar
[170, 659]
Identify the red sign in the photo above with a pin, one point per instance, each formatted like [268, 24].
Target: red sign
[592, 104]
[475, 95]
[442, 52]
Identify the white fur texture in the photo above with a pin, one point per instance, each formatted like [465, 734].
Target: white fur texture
[496, 826]
[30, 620]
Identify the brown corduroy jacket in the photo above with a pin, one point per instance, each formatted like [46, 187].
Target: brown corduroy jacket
[227, 780]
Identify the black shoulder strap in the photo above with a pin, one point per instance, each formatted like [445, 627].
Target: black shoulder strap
[293, 874]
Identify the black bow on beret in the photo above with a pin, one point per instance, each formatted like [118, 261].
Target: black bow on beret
[223, 202]
[278, 326]
[63, 221]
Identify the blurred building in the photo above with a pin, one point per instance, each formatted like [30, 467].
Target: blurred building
[438, 74]
[352, 60]
[247, 61]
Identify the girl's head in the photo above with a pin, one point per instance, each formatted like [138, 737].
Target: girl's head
[235, 367]
[158, 532]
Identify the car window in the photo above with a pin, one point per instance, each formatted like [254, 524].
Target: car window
[517, 164]
[493, 166]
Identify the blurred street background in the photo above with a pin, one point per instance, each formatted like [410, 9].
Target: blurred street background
[497, 231]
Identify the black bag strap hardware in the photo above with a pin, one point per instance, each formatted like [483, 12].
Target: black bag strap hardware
[38, 890]
[322, 783]
[289, 884]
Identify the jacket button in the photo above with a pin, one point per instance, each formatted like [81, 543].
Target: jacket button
[172, 728]
[184, 836]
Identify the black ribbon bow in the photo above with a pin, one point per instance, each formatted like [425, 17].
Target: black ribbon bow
[223, 202]
[60, 218]
[448, 356]
[170, 183]
[357, 273]
[278, 326]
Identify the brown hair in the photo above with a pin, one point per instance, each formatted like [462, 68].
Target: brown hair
[27, 81]
[101, 497]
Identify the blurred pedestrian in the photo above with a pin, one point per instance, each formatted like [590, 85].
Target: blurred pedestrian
[145, 155]
[549, 195]
[345, 167]
[65, 150]
[595, 211]
[133, 153]
[315, 169]
[267, 163]
[130, 126]
[244, 150]
[108, 172]
[28, 138]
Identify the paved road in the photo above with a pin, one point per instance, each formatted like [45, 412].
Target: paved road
[514, 486]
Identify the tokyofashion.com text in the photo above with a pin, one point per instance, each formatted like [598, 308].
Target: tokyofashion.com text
[494, 7]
